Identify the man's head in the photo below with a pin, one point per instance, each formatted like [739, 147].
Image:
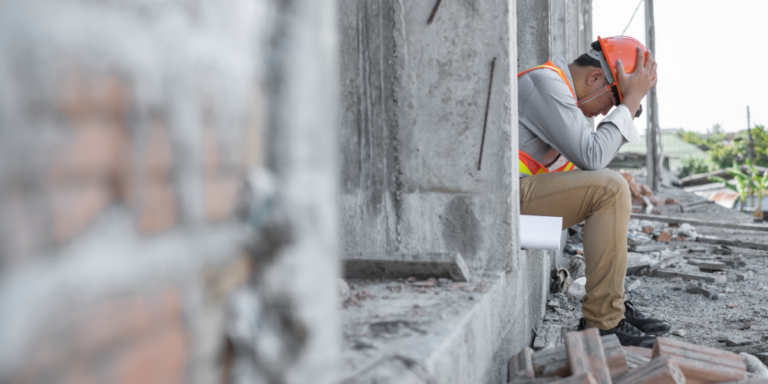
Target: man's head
[598, 72]
[590, 85]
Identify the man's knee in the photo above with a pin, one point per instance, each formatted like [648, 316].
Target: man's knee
[616, 183]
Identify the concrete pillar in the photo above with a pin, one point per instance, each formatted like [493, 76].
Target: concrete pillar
[552, 29]
[533, 33]
[413, 105]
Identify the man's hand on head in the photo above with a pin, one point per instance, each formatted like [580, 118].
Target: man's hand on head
[634, 86]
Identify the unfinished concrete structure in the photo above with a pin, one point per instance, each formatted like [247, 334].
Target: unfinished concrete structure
[169, 192]
[412, 114]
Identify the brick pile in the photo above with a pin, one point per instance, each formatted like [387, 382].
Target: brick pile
[589, 358]
[639, 190]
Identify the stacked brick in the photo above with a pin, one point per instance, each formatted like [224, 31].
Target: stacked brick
[589, 358]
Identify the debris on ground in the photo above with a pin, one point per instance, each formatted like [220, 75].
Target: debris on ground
[709, 281]
[588, 357]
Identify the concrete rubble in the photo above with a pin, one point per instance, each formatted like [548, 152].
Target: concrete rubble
[710, 292]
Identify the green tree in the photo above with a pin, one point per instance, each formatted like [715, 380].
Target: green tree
[760, 185]
[743, 183]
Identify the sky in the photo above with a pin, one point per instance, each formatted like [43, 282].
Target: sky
[712, 57]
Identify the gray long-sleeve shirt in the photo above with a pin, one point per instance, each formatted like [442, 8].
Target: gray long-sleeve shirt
[550, 123]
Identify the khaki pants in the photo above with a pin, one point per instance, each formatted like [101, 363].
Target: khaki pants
[601, 198]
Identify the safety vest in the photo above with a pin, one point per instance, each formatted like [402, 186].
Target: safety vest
[528, 165]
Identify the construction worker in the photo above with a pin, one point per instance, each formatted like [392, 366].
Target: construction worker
[554, 102]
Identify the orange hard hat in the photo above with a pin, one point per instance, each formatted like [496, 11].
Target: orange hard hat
[617, 48]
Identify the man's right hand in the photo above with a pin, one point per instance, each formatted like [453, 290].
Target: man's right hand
[634, 86]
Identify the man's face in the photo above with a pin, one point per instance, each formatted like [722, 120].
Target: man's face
[600, 105]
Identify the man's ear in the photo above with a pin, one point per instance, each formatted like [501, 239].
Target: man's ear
[596, 75]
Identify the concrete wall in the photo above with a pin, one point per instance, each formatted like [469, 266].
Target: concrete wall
[413, 104]
[128, 130]
[553, 28]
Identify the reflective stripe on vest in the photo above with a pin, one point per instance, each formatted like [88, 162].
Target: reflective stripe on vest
[528, 165]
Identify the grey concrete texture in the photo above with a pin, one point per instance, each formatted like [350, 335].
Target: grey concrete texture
[552, 29]
[381, 265]
[413, 105]
[439, 334]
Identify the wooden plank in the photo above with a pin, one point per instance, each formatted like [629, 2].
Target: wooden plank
[751, 349]
[709, 278]
[732, 243]
[701, 223]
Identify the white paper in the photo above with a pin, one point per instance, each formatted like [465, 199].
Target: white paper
[540, 232]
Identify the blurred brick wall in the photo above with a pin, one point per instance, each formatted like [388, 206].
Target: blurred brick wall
[127, 130]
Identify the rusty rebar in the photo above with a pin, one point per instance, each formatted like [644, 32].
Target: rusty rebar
[485, 121]
[434, 12]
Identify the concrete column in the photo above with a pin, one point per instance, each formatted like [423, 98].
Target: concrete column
[533, 33]
[413, 105]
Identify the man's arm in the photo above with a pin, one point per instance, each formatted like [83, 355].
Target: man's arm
[552, 115]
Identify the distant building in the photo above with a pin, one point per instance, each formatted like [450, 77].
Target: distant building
[673, 146]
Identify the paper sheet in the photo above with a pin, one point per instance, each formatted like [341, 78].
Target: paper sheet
[540, 232]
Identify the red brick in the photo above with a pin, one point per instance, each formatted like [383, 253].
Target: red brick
[155, 359]
[112, 321]
[586, 355]
[153, 202]
[701, 364]
[93, 151]
[521, 365]
[645, 352]
[583, 378]
[614, 355]
[551, 362]
[154, 153]
[658, 371]
[221, 196]
[80, 97]
[74, 207]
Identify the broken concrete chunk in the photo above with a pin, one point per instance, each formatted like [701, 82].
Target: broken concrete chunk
[702, 288]
[711, 265]
[379, 265]
[754, 366]
[650, 248]
[679, 332]
[548, 337]
[554, 303]
[738, 342]
[632, 285]
[637, 262]
[744, 276]
[709, 278]
[762, 357]
[343, 287]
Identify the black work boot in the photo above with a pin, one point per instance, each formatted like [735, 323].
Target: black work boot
[627, 334]
[645, 324]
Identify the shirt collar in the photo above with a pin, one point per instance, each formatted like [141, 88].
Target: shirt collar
[563, 65]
